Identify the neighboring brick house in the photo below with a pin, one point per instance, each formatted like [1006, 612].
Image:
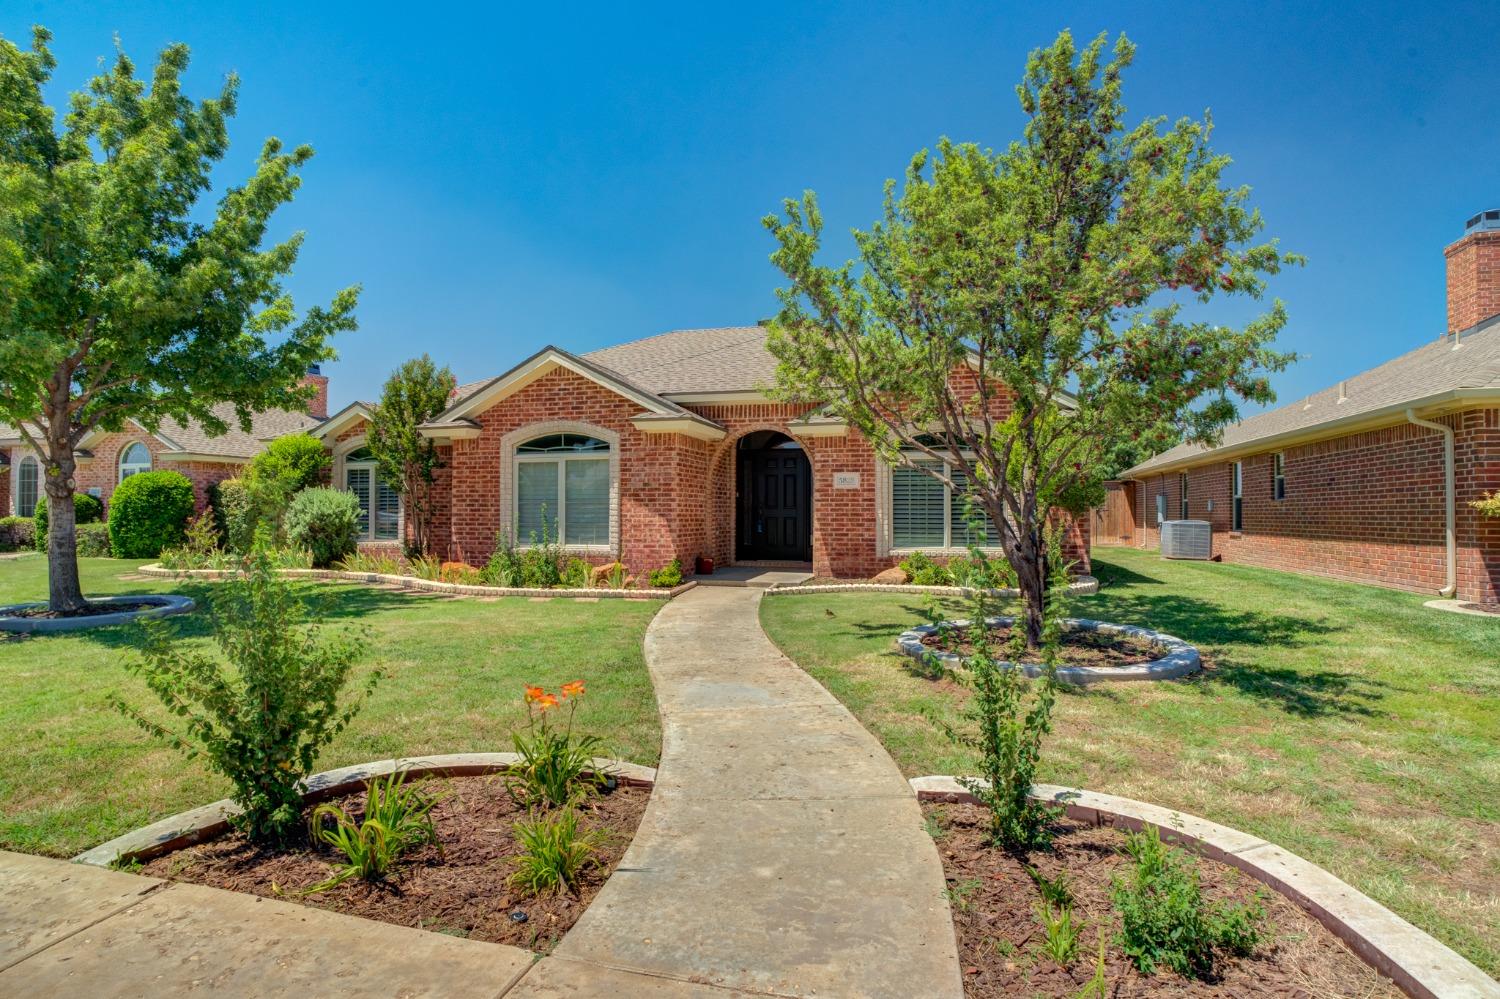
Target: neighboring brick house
[104, 459]
[1352, 482]
[659, 449]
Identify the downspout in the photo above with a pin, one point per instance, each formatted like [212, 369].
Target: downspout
[1448, 490]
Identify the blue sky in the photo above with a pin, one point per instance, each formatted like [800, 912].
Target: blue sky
[503, 177]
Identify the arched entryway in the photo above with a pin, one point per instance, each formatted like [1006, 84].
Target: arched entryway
[773, 499]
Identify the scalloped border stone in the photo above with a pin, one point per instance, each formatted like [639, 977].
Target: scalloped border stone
[163, 604]
[431, 585]
[1180, 658]
[208, 821]
[1080, 587]
[1420, 965]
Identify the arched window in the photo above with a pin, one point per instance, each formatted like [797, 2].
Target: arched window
[379, 504]
[562, 490]
[28, 481]
[135, 458]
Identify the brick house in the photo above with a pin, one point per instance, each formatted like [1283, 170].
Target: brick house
[1370, 479]
[662, 448]
[104, 459]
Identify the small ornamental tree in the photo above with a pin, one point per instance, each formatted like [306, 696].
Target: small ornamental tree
[415, 393]
[120, 297]
[292, 463]
[261, 711]
[1017, 314]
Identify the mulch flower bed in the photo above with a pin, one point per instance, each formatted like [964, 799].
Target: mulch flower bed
[1077, 648]
[457, 887]
[994, 903]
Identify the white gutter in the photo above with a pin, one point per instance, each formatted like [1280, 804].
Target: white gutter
[1449, 511]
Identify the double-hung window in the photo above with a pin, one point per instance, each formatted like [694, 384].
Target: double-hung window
[28, 481]
[379, 504]
[1278, 476]
[1237, 514]
[562, 490]
[925, 513]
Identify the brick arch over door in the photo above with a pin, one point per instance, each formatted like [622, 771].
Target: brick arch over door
[722, 481]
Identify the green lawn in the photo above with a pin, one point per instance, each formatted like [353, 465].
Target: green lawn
[1346, 723]
[75, 772]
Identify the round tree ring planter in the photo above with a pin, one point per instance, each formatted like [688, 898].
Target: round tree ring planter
[204, 823]
[161, 605]
[1178, 658]
[1420, 965]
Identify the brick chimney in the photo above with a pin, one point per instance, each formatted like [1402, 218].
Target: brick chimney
[318, 404]
[1474, 272]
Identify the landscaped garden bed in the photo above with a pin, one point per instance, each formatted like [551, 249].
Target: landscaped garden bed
[1088, 651]
[458, 884]
[1001, 912]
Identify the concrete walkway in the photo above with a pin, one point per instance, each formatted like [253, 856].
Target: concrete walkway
[782, 852]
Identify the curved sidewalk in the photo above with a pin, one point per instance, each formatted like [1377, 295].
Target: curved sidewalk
[782, 852]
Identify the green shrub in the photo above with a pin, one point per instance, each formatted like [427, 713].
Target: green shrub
[261, 711]
[924, 571]
[575, 574]
[93, 540]
[667, 576]
[148, 512]
[200, 546]
[325, 522]
[294, 463]
[1164, 918]
[397, 818]
[1488, 506]
[426, 567]
[234, 514]
[16, 533]
[504, 565]
[86, 510]
[554, 853]
[542, 561]
[554, 761]
[377, 562]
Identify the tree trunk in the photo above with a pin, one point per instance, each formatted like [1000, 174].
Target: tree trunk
[1031, 579]
[64, 591]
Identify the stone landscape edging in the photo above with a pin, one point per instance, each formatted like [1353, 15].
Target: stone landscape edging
[431, 585]
[1081, 587]
[207, 821]
[1180, 660]
[162, 605]
[1420, 965]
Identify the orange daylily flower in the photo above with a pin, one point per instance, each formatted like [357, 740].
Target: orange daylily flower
[534, 694]
[547, 701]
[573, 689]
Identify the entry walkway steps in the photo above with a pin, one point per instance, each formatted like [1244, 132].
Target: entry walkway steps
[762, 576]
[782, 852]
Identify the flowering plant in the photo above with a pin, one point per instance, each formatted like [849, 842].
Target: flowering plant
[556, 766]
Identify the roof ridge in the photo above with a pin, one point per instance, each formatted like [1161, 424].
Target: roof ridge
[658, 336]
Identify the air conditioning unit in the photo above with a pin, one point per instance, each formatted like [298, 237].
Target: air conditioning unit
[1187, 539]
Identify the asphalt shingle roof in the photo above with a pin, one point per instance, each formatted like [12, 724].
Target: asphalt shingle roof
[236, 443]
[723, 359]
[1432, 369]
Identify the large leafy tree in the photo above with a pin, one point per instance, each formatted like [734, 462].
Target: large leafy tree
[117, 301]
[416, 392]
[1018, 314]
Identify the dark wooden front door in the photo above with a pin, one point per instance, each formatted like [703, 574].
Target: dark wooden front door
[775, 505]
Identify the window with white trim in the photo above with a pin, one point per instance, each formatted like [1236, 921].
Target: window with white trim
[1237, 514]
[134, 460]
[379, 504]
[925, 513]
[562, 490]
[28, 481]
[1182, 497]
[1278, 476]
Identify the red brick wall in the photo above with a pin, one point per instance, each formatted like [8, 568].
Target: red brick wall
[5, 474]
[103, 470]
[1473, 279]
[1367, 507]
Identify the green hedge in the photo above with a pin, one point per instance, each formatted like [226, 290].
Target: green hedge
[16, 533]
[148, 512]
[86, 510]
[93, 541]
[325, 522]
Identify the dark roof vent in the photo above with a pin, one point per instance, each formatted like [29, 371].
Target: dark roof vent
[317, 369]
[1484, 222]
